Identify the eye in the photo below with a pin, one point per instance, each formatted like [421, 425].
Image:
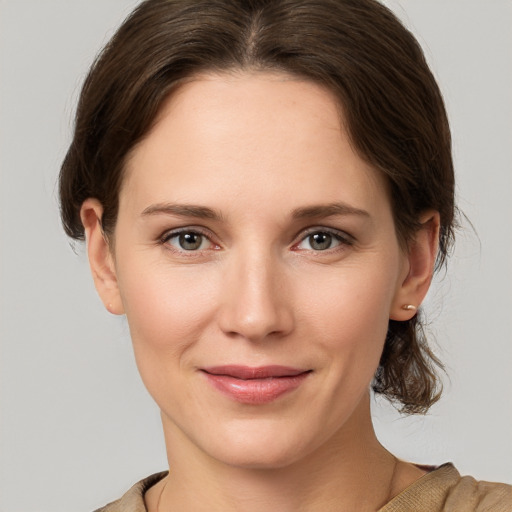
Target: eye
[322, 240]
[188, 241]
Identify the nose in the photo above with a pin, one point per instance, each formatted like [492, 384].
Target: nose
[256, 302]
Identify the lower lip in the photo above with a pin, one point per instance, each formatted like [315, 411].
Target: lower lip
[255, 391]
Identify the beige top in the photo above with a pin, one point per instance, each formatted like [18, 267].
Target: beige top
[441, 490]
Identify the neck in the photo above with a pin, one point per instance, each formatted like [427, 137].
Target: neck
[350, 471]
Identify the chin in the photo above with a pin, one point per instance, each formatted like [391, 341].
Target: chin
[259, 459]
[261, 448]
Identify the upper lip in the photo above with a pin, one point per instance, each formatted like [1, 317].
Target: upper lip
[249, 372]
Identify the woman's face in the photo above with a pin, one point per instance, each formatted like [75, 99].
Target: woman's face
[257, 263]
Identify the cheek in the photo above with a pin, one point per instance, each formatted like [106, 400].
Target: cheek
[348, 315]
[355, 295]
[168, 310]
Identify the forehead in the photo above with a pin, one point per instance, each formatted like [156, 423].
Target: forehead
[249, 134]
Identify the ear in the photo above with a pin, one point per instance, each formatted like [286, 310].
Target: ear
[421, 258]
[101, 259]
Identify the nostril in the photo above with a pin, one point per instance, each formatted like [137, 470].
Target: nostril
[256, 327]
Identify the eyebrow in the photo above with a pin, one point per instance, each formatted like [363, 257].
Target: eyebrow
[203, 212]
[182, 210]
[327, 210]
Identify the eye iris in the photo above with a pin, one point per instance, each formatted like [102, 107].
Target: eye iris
[190, 241]
[320, 241]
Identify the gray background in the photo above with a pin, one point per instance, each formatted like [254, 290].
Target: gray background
[77, 426]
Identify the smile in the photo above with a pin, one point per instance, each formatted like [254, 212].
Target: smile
[255, 386]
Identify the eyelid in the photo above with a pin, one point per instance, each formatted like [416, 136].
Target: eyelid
[171, 233]
[344, 237]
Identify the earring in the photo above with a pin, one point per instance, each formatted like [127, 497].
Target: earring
[409, 307]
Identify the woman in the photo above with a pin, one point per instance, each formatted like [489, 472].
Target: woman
[265, 188]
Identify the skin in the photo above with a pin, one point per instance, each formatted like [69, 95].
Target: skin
[260, 150]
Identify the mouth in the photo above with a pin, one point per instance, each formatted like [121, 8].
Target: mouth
[255, 385]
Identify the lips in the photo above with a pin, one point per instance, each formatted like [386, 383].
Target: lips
[255, 385]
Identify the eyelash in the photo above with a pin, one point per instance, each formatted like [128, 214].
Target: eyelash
[175, 233]
[344, 239]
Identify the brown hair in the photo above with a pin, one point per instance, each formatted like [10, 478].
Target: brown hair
[392, 107]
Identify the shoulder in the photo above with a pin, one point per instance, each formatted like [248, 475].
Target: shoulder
[479, 496]
[444, 489]
[133, 500]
